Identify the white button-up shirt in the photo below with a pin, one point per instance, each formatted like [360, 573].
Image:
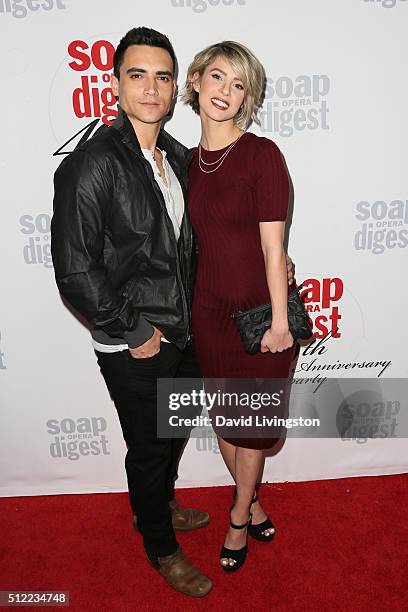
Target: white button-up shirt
[172, 192]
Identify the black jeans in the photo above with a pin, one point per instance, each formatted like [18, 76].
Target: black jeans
[151, 463]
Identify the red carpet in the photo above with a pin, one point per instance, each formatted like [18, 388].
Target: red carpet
[340, 545]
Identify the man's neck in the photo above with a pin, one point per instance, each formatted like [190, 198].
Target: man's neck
[147, 133]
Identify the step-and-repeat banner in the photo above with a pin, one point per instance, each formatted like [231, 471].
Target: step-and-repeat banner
[335, 103]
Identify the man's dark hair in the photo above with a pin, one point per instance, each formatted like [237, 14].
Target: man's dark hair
[142, 36]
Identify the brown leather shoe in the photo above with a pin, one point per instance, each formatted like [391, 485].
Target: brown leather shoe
[182, 576]
[184, 519]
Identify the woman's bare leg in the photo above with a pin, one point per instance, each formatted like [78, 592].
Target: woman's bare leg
[247, 465]
[228, 452]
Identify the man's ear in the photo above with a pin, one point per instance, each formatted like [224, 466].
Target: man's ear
[115, 85]
[174, 88]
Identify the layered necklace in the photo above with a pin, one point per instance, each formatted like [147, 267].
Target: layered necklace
[219, 161]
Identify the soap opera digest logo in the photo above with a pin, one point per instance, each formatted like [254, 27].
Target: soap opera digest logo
[76, 438]
[385, 3]
[80, 93]
[86, 70]
[333, 308]
[367, 414]
[36, 230]
[200, 6]
[20, 8]
[322, 301]
[384, 226]
[295, 104]
[2, 363]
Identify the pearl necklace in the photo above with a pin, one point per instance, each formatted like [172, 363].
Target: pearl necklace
[219, 161]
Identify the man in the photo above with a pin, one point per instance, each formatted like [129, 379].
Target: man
[122, 248]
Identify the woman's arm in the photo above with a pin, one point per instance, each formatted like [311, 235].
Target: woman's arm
[278, 337]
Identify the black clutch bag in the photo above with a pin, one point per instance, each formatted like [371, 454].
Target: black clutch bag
[252, 324]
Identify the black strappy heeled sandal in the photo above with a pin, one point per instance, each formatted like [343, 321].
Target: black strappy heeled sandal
[239, 556]
[256, 531]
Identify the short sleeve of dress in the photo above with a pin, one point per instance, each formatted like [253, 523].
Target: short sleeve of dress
[271, 182]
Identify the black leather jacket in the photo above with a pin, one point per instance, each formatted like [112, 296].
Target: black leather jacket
[113, 246]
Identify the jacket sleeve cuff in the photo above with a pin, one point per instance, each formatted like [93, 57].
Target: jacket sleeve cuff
[140, 335]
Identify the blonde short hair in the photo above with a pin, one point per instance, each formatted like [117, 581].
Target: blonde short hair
[248, 69]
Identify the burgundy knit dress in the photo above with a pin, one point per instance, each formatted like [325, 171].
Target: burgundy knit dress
[225, 208]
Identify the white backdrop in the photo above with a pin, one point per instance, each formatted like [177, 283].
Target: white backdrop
[336, 106]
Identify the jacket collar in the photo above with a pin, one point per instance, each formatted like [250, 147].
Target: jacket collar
[175, 151]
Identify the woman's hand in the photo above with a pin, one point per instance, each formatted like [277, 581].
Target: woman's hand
[276, 340]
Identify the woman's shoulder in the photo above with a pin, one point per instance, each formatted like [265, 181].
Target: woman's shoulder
[262, 152]
[262, 144]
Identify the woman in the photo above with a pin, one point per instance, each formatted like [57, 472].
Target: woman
[238, 200]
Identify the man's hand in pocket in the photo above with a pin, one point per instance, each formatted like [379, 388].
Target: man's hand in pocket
[149, 349]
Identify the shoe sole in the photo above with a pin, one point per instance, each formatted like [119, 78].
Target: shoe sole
[179, 590]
